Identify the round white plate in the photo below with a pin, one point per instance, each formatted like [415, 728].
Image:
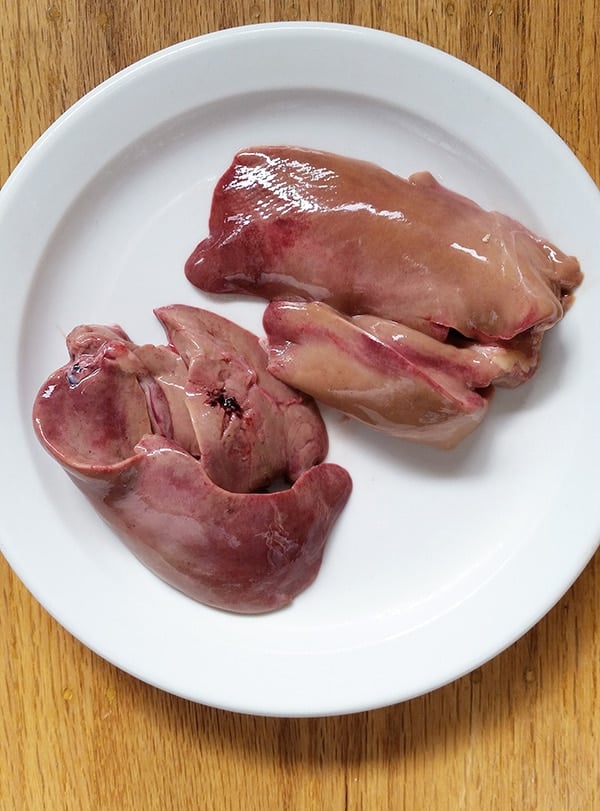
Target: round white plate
[441, 559]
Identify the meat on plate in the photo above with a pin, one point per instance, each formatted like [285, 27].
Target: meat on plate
[417, 284]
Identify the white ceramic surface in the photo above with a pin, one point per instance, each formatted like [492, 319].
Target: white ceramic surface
[441, 559]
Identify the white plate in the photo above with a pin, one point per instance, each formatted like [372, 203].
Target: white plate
[440, 560]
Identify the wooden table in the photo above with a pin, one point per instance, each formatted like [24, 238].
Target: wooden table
[521, 732]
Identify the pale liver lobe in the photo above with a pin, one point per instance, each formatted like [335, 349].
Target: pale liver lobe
[397, 386]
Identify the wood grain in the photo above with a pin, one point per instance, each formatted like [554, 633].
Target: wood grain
[521, 732]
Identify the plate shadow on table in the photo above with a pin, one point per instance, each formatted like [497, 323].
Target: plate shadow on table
[520, 683]
[503, 704]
